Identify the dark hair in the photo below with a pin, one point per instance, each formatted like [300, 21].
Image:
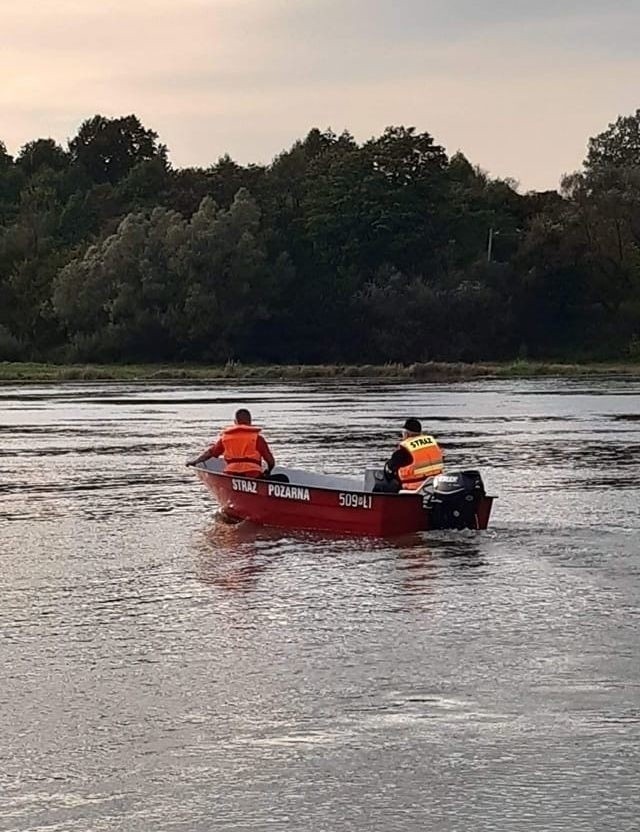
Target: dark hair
[413, 426]
[243, 417]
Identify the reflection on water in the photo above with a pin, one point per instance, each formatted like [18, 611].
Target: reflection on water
[232, 556]
[229, 555]
[163, 670]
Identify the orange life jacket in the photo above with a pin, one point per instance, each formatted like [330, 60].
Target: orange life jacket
[426, 461]
[241, 453]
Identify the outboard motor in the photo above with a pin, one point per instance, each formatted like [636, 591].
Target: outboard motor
[452, 500]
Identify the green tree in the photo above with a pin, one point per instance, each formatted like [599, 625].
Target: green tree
[11, 182]
[337, 251]
[379, 203]
[161, 286]
[116, 300]
[5, 159]
[225, 264]
[42, 153]
[618, 146]
[108, 148]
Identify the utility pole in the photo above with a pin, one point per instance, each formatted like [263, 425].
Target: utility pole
[490, 245]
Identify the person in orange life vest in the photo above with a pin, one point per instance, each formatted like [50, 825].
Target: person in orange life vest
[242, 448]
[417, 457]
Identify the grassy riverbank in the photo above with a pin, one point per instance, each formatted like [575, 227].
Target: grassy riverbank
[432, 371]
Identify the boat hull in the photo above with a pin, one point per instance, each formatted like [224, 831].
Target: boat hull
[352, 512]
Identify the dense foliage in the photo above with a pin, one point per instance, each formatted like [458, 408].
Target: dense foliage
[337, 251]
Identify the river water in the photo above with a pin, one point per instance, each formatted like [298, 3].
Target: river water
[162, 671]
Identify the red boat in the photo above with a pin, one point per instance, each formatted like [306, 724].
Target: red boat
[322, 502]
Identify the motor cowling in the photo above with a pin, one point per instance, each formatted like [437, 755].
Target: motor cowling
[452, 500]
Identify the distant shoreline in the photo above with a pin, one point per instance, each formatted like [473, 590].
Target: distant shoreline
[12, 372]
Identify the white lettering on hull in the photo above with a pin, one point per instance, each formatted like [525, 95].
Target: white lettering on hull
[347, 500]
[248, 486]
[288, 492]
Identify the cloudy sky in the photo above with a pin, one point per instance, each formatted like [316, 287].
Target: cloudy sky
[517, 86]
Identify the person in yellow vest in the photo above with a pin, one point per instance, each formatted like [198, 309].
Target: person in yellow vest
[417, 457]
[242, 448]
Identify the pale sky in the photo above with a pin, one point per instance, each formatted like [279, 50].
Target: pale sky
[517, 86]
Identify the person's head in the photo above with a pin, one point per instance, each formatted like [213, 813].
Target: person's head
[411, 427]
[243, 417]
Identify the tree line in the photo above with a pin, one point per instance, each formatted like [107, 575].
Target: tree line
[387, 250]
